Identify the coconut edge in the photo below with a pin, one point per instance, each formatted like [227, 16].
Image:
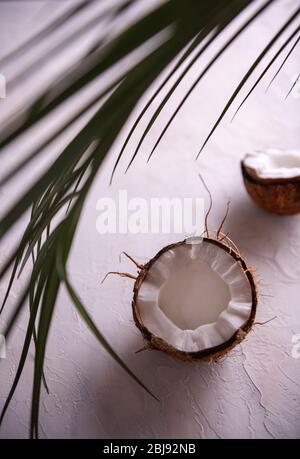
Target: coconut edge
[280, 196]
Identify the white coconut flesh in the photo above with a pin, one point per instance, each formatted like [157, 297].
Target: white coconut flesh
[274, 163]
[195, 297]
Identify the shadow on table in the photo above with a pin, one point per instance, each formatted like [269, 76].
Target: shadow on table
[125, 410]
[257, 231]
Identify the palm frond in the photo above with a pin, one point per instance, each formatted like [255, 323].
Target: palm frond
[216, 25]
[227, 44]
[274, 58]
[283, 63]
[293, 86]
[249, 73]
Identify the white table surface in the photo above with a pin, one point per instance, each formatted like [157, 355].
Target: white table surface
[255, 391]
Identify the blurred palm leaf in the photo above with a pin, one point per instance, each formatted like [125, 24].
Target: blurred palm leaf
[172, 30]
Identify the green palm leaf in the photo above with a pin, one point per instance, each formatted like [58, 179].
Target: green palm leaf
[249, 73]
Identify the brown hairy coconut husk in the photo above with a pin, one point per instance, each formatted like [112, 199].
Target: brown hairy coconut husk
[223, 325]
[155, 342]
[279, 194]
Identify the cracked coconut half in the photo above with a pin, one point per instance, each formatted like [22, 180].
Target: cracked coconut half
[196, 299]
[272, 179]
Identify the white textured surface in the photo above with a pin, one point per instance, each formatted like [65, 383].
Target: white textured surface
[255, 392]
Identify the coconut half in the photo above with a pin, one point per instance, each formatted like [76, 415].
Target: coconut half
[194, 300]
[272, 179]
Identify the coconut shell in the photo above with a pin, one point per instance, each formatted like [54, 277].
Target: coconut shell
[153, 342]
[279, 196]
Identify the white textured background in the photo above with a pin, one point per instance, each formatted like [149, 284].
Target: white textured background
[255, 392]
